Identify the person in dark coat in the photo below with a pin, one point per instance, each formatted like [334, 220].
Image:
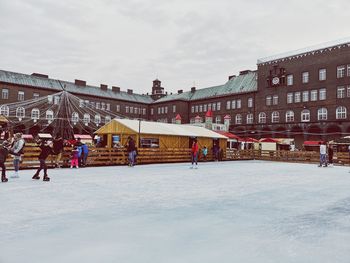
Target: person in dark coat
[131, 148]
[330, 154]
[46, 150]
[4, 151]
[57, 150]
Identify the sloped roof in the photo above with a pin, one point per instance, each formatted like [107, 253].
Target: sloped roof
[148, 127]
[56, 85]
[240, 84]
[305, 50]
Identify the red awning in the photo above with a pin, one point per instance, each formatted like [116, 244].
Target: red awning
[269, 140]
[229, 135]
[312, 143]
[248, 140]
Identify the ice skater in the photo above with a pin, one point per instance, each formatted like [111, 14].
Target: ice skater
[46, 150]
[17, 152]
[74, 161]
[330, 155]
[194, 154]
[131, 148]
[323, 155]
[4, 151]
[205, 153]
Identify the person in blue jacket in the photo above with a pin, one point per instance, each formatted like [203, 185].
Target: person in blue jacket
[85, 153]
[79, 145]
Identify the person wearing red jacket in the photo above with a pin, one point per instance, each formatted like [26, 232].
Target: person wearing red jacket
[194, 153]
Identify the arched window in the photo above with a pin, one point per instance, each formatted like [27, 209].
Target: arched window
[322, 114]
[262, 117]
[108, 119]
[75, 117]
[20, 113]
[35, 114]
[5, 110]
[86, 119]
[290, 116]
[275, 117]
[305, 116]
[341, 113]
[238, 119]
[49, 116]
[97, 119]
[250, 118]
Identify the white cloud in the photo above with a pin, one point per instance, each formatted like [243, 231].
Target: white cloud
[130, 43]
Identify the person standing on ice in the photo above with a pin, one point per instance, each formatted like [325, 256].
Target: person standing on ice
[17, 152]
[46, 150]
[323, 154]
[194, 153]
[58, 149]
[205, 153]
[74, 161]
[330, 155]
[131, 148]
[79, 145]
[3, 155]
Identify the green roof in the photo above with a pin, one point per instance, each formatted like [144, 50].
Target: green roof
[236, 85]
[56, 85]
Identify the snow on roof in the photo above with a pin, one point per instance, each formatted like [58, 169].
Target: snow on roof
[305, 50]
[149, 127]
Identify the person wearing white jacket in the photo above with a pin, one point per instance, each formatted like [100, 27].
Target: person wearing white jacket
[323, 155]
[17, 151]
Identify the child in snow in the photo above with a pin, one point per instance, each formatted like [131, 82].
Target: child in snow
[3, 155]
[46, 150]
[74, 158]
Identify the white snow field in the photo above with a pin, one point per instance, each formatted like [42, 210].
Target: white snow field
[240, 211]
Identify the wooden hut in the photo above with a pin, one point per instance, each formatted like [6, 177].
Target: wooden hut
[158, 135]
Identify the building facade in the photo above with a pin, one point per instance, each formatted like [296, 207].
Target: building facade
[303, 94]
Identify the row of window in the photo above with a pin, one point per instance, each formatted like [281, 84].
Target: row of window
[20, 95]
[163, 110]
[343, 92]
[215, 106]
[134, 110]
[107, 106]
[49, 115]
[305, 96]
[305, 116]
[342, 71]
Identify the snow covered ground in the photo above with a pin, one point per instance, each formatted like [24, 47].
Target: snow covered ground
[242, 211]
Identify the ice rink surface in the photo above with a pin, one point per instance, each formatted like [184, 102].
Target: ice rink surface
[241, 211]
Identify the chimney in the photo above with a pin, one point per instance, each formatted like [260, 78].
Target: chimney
[193, 89]
[129, 91]
[40, 75]
[231, 77]
[79, 82]
[244, 72]
[104, 87]
[180, 91]
[115, 89]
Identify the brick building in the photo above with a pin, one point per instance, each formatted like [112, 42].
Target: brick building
[303, 94]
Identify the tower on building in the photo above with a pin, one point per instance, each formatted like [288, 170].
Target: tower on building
[157, 90]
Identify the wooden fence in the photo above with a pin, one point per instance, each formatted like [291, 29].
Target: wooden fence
[113, 156]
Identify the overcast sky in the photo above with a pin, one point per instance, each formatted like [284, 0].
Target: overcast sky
[129, 43]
